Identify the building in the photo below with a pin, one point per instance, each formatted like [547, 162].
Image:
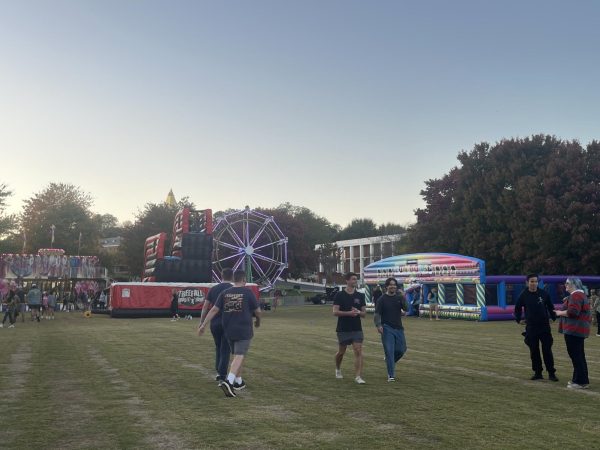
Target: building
[354, 254]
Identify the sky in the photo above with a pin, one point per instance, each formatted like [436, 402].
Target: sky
[344, 107]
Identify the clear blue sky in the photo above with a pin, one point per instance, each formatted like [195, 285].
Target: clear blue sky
[345, 107]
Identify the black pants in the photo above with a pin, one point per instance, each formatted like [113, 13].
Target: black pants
[577, 354]
[222, 350]
[533, 340]
[10, 315]
[598, 321]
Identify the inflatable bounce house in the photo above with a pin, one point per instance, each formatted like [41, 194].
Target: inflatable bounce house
[464, 290]
[186, 272]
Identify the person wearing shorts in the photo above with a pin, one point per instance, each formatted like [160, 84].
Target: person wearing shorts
[238, 305]
[349, 306]
[34, 301]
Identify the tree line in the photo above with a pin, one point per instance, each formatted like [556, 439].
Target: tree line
[529, 204]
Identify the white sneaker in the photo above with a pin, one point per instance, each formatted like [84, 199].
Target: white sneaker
[338, 374]
[11, 326]
[2, 326]
[359, 380]
[391, 379]
[571, 385]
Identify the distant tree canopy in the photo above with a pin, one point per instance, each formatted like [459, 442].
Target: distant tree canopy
[67, 208]
[304, 230]
[522, 205]
[362, 228]
[7, 223]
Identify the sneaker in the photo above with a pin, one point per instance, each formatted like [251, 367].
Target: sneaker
[1, 325]
[597, 334]
[583, 386]
[227, 389]
[239, 386]
[552, 377]
[390, 379]
[359, 380]
[572, 385]
[537, 376]
[338, 374]
[218, 377]
[12, 326]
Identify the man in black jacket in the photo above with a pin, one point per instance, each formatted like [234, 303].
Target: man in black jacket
[538, 312]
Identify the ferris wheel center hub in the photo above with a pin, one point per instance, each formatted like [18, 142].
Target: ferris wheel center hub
[249, 250]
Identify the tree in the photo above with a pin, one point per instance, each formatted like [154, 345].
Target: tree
[67, 208]
[358, 228]
[109, 225]
[8, 241]
[328, 255]
[521, 205]
[304, 230]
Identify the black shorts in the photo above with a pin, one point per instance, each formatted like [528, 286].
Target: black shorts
[34, 307]
[348, 337]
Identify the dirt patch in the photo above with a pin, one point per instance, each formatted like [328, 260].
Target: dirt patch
[16, 374]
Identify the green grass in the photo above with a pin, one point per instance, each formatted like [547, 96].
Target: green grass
[147, 383]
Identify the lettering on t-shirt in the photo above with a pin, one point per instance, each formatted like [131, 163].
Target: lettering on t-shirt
[233, 303]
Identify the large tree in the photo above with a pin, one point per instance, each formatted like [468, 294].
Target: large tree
[304, 230]
[8, 240]
[522, 205]
[66, 208]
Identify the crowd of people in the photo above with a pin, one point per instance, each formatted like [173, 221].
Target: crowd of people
[38, 304]
[230, 307]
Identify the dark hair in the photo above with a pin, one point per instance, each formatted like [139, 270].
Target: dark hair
[389, 280]
[531, 275]
[227, 274]
[239, 276]
[350, 275]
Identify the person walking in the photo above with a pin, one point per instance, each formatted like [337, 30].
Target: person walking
[574, 324]
[51, 305]
[595, 302]
[349, 307]
[239, 305]
[222, 349]
[389, 310]
[174, 305]
[12, 304]
[434, 303]
[22, 305]
[34, 301]
[538, 312]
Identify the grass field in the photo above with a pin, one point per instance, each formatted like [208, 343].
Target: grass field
[148, 383]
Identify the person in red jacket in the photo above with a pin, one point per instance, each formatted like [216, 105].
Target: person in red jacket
[574, 324]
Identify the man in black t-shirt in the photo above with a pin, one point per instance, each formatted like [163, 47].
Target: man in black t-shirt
[349, 306]
[389, 310]
[239, 305]
[222, 349]
[538, 312]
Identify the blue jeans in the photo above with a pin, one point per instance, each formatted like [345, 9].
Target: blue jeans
[222, 350]
[394, 347]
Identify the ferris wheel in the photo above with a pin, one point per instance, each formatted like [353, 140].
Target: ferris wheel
[251, 241]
